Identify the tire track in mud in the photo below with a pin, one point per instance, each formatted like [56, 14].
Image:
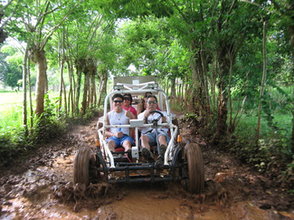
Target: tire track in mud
[42, 188]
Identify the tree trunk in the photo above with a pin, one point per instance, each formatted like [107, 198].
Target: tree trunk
[173, 87]
[173, 90]
[213, 84]
[231, 127]
[39, 57]
[30, 95]
[85, 93]
[262, 84]
[167, 87]
[181, 90]
[65, 98]
[200, 97]
[92, 69]
[93, 90]
[204, 81]
[179, 93]
[63, 91]
[24, 85]
[102, 86]
[222, 112]
[195, 87]
[78, 90]
[61, 86]
[226, 57]
[71, 106]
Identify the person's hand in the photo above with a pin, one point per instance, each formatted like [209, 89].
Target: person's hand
[147, 113]
[119, 134]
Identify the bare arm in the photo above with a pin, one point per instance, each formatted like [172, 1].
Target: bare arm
[107, 132]
[130, 115]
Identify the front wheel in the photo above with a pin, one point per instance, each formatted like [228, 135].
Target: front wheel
[194, 168]
[83, 166]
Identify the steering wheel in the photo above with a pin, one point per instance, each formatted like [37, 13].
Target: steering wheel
[159, 112]
[155, 121]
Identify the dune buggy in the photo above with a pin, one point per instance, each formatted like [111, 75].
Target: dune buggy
[183, 162]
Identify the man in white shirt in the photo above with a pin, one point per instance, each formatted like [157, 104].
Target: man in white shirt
[119, 137]
[150, 136]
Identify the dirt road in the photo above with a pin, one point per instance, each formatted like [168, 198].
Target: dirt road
[42, 188]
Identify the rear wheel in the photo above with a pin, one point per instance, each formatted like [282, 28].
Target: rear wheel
[194, 168]
[83, 166]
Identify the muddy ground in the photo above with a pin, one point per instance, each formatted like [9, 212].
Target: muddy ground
[41, 188]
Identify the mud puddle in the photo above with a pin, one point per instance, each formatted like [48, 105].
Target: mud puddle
[43, 189]
[157, 204]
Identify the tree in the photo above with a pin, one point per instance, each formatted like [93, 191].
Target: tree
[6, 13]
[91, 48]
[36, 28]
[151, 49]
[286, 11]
[11, 69]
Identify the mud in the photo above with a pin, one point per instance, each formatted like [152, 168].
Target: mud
[41, 188]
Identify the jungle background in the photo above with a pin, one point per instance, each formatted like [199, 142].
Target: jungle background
[226, 65]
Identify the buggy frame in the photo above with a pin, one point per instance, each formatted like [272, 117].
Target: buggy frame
[93, 165]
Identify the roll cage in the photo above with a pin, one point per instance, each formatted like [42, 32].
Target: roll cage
[137, 86]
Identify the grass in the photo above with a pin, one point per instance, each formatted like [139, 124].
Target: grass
[11, 117]
[10, 110]
[10, 99]
[248, 124]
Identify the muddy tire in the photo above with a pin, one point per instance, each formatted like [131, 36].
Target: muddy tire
[82, 166]
[195, 168]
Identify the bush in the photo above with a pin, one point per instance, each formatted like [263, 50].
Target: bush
[12, 143]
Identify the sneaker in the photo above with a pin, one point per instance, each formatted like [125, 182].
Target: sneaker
[147, 155]
[159, 163]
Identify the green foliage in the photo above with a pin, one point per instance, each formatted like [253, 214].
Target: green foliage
[191, 116]
[10, 67]
[177, 107]
[48, 125]
[15, 142]
[136, 8]
[162, 38]
[274, 146]
[12, 143]
[150, 47]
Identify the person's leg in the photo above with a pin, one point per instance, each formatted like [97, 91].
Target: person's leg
[111, 145]
[145, 142]
[163, 139]
[113, 142]
[126, 141]
[127, 145]
[146, 153]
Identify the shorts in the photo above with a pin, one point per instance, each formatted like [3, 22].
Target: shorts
[152, 137]
[119, 141]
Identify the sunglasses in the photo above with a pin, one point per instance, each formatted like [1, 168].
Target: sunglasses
[127, 98]
[117, 101]
[151, 102]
